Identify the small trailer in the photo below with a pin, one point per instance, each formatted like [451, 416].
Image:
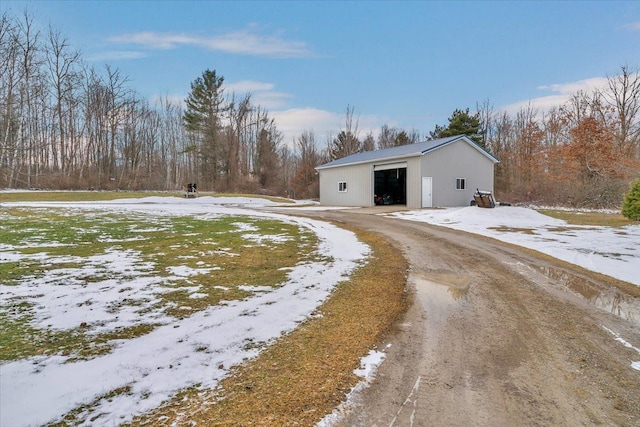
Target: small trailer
[190, 190]
[483, 199]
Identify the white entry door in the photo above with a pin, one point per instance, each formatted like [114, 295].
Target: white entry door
[426, 192]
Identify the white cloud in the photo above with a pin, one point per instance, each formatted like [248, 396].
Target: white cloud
[271, 100]
[323, 123]
[153, 40]
[586, 85]
[248, 41]
[561, 93]
[262, 93]
[632, 26]
[294, 121]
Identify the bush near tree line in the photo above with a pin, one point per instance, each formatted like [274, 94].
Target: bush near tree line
[631, 204]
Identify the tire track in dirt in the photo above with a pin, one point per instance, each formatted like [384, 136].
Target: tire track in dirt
[490, 340]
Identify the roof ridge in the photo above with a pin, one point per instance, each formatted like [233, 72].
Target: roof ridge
[399, 151]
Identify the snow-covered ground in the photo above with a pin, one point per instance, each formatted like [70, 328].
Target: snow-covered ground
[201, 348]
[196, 350]
[607, 250]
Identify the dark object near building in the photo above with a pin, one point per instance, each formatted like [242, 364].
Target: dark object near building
[483, 199]
[385, 199]
[190, 190]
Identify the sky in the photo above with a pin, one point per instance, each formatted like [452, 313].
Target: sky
[407, 64]
[159, 364]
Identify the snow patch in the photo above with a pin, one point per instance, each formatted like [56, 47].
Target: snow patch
[607, 250]
[179, 353]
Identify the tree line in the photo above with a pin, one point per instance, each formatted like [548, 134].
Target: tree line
[65, 124]
[583, 153]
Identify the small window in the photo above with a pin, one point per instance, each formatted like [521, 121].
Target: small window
[461, 183]
[342, 187]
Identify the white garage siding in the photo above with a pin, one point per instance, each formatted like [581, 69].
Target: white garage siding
[414, 184]
[456, 161]
[448, 161]
[359, 182]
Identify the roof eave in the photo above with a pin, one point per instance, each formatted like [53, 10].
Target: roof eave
[362, 162]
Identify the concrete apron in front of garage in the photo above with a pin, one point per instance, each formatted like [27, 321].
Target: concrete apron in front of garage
[373, 210]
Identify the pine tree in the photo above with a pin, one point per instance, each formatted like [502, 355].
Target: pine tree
[460, 123]
[631, 205]
[203, 118]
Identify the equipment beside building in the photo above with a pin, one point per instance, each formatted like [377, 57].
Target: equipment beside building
[483, 199]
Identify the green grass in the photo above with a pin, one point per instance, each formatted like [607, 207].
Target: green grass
[589, 218]
[223, 258]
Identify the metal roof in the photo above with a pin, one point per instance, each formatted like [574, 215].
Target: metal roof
[402, 151]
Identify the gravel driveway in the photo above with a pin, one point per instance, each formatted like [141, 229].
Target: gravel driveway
[499, 335]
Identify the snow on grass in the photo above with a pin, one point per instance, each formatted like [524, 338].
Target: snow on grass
[60, 299]
[634, 365]
[368, 367]
[611, 251]
[196, 351]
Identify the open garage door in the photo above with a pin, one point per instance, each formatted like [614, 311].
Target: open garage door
[390, 184]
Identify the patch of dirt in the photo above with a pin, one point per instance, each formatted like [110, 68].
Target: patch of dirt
[500, 335]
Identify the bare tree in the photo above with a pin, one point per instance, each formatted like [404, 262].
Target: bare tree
[9, 79]
[267, 165]
[29, 63]
[306, 183]
[485, 114]
[369, 142]
[624, 96]
[63, 79]
[387, 137]
[347, 142]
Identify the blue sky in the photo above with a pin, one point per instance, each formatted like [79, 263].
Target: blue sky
[405, 64]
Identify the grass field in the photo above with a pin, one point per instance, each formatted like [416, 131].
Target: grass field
[79, 283]
[61, 248]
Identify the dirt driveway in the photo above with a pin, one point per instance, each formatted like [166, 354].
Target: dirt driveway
[500, 336]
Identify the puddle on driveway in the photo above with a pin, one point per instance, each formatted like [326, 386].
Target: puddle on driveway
[439, 293]
[457, 284]
[605, 298]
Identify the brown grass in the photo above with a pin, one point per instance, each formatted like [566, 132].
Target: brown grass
[589, 218]
[305, 374]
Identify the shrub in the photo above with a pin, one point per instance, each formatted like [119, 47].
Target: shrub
[631, 204]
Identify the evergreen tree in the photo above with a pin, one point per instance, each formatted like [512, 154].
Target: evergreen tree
[267, 162]
[345, 144]
[631, 205]
[460, 123]
[202, 119]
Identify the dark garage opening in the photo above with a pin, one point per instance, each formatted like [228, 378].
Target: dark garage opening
[390, 186]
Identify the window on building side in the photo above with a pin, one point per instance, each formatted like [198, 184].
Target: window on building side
[461, 183]
[342, 187]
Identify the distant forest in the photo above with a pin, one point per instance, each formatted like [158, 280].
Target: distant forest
[68, 125]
